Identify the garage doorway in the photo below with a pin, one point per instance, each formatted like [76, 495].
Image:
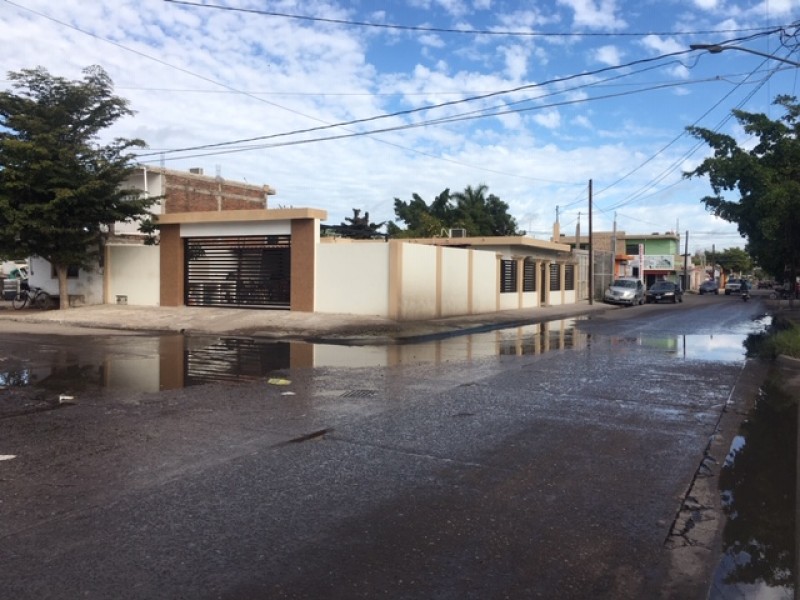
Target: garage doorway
[246, 271]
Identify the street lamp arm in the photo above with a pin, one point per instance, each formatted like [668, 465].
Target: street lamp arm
[717, 48]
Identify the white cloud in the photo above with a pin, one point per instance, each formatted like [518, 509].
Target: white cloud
[294, 75]
[709, 5]
[595, 15]
[582, 121]
[550, 119]
[516, 62]
[662, 45]
[609, 55]
[431, 40]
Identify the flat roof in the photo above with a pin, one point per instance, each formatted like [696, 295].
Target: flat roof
[520, 241]
[245, 215]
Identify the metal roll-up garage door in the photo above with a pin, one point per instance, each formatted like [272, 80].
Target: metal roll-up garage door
[246, 271]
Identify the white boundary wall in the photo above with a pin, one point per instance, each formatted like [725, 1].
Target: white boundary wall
[485, 278]
[455, 281]
[88, 286]
[418, 281]
[352, 278]
[429, 281]
[134, 273]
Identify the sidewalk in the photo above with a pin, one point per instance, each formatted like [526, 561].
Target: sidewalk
[275, 324]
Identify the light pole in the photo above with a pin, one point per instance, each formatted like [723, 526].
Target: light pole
[717, 48]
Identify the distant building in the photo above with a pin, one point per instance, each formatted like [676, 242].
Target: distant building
[649, 257]
[192, 191]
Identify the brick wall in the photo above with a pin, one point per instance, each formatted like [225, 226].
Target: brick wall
[194, 193]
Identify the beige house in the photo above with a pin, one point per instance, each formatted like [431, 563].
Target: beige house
[221, 245]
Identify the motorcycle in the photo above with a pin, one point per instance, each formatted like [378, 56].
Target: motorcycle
[745, 296]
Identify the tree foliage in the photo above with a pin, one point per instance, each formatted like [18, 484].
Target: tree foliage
[358, 227]
[767, 178]
[732, 260]
[474, 209]
[60, 189]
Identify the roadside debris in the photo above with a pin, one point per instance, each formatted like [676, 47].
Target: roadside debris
[278, 381]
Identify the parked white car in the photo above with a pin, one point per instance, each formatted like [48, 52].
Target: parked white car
[733, 286]
[625, 290]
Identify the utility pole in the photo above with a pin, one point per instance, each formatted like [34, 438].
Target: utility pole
[614, 248]
[686, 263]
[714, 263]
[591, 249]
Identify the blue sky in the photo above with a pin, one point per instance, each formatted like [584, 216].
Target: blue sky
[532, 99]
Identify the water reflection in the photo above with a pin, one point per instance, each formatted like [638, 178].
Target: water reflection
[153, 363]
[712, 347]
[534, 338]
[758, 487]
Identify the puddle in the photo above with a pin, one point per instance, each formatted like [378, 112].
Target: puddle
[717, 347]
[153, 363]
[758, 485]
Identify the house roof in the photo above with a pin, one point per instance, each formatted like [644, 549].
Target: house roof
[240, 216]
[514, 242]
[200, 176]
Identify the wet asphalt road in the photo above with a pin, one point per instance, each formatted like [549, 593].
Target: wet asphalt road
[523, 474]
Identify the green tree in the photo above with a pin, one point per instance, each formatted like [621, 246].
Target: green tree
[358, 227]
[480, 214]
[767, 178]
[422, 220]
[60, 189]
[732, 260]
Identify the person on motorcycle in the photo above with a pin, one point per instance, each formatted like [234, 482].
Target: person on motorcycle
[745, 290]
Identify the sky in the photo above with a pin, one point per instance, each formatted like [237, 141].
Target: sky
[349, 105]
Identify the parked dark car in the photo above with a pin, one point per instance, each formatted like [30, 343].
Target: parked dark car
[709, 287]
[664, 291]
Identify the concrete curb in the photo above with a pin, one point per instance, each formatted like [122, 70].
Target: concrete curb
[282, 325]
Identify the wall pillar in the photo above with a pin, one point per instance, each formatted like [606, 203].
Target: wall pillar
[395, 280]
[172, 265]
[546, 282]
[520, 280]
[303, 264]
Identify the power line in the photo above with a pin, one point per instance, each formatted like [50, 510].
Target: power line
[407, 126]
[425, 29]
[411, 111]
[230, 88]
[639, 195]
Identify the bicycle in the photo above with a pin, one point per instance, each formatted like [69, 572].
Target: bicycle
[35, 297]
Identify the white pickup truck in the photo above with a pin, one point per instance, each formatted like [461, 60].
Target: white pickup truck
[12, 274]
[734, 286]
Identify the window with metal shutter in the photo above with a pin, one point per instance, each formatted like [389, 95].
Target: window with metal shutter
[555, 277]
[569, 277]
[528, 276]
[251, 271]
[508, 276]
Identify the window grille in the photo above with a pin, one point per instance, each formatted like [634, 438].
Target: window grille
[508, 276]
[569, 277]
[529, 276]
[555, 277]
[252, 271]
